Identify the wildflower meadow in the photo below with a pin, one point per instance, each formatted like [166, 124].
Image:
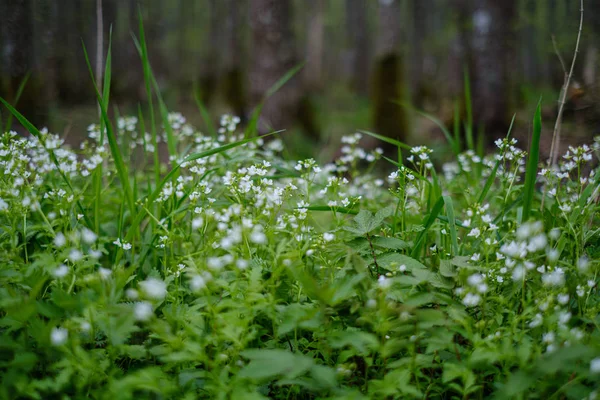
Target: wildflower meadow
[228, 270]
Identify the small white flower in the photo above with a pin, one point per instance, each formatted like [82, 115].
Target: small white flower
[143, 311]
[105, 273]
[475, 232]
[85, 326]
[59, 336]
[383, 282]
[583, 264]
[61, 271]
[241, 264]
[75, 255]
[471, 300]
[88, 236]
[595, 366]
[60, 240]
[154, 288]
[328, 237]
[131, 294]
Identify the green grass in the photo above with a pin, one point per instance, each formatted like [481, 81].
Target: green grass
[233, 271]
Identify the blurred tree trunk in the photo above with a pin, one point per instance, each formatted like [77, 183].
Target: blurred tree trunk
[313, 71]
[493, 55]
[357, 28]
[460, 51]
[18, 59]
[389, 118]
[420, 71]
[273, 54]
[233, 78]
[210, 66]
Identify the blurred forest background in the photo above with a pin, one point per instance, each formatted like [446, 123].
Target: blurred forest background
[369, 64]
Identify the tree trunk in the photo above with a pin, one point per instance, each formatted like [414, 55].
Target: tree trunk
[234, 78]
[313, 71]
[388, 83]
[357, 28]
[492, 54]
[18, 59]
[273, 55]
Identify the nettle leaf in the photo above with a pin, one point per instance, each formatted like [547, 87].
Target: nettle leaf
[361, 244]
[390, 243]
[366, 222]
[393, 261]
[448, 269]
[362, 342]
[268, 364]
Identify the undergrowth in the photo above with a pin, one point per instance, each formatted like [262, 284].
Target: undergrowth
[234, 273]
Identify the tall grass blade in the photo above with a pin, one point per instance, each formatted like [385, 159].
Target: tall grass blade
[386, 139]
[112, 140]
[451, 223]
[98, 172]
[490, 180]
[427, 224]
[532, 162]
[210, 127]
[252, 127]
[16, 99]
[148, 86]
[456, 126]
[469, 111]
[449, 138]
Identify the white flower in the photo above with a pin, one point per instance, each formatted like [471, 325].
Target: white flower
[105, 273]
[75, 255]
[85, 326]
[471, 300]
[328, 237]
[154, 288]
[475, 232]
[59, 336]
[241, 264]
[143, 311]
[197, 283]
[60, 240]
[131, 294]
[518, 273]
[383, 282]
[61, 271]
[595, 366]
[475, 279]
[3, 205]
[583, 264]
[88, 236]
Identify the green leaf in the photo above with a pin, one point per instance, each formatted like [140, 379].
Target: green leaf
[393, 261]
[447, 269]
[268, 364]
[427, 224]
[389, 243]
[16, 99]
[451, 223]
[112, 140]
[363, 342]
[532, 163]
[366, 222]
[490, 180]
